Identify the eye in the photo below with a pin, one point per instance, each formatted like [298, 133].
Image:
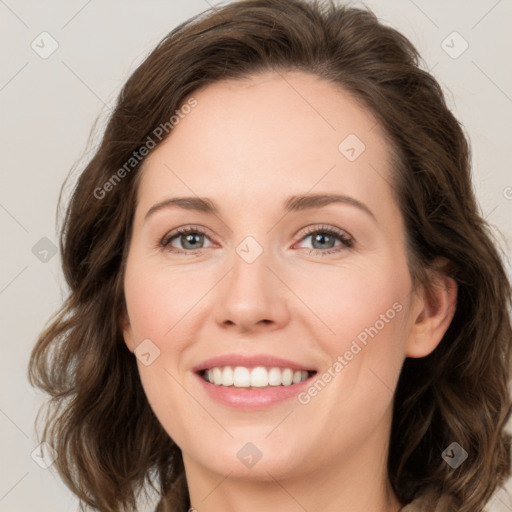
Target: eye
[189, 240]
[324, 240]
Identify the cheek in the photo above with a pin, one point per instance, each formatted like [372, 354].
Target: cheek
[367, 312]
[350, 299]
[158, 299]
[156, 308]
[363, 312]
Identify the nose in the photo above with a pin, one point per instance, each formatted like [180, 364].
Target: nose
[252, 297]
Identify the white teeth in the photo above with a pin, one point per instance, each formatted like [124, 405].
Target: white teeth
[274, 377]
[241, 377]
[227, 376]
[287, 377]
[217, 376]
[258, 377]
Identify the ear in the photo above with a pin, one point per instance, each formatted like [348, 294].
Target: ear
[126, 328]
[434, 307]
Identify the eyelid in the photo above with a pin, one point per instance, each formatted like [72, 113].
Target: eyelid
[316, 228]
[346, 239]
[181, 230]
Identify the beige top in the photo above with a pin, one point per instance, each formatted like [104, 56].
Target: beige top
[414, 506]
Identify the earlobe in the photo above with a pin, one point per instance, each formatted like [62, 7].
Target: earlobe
[126, 329]
[436, 308]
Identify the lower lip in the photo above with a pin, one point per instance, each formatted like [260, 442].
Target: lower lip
[252, 398]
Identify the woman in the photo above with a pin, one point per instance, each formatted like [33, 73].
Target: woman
[282, 295]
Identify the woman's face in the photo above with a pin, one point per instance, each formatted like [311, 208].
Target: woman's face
[294, 268]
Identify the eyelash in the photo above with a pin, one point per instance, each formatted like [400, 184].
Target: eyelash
[346, 241]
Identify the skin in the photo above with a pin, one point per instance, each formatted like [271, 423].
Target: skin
[247, 146]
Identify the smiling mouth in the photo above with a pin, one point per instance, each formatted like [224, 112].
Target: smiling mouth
[256, 377]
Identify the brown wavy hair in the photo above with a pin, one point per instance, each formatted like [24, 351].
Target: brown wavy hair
[110, 445]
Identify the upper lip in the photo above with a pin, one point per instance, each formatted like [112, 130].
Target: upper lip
[249, 361]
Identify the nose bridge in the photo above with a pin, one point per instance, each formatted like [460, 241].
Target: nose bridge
[251, 294]
[249, 264]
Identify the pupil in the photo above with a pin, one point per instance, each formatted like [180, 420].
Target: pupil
[322, 238]
[190, 239]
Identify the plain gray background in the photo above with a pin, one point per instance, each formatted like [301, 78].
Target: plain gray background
[50, 103]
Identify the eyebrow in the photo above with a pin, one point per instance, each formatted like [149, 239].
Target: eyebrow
[298, 203]
[292, 204]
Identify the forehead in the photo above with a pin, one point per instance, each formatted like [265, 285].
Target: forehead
[268, 136]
